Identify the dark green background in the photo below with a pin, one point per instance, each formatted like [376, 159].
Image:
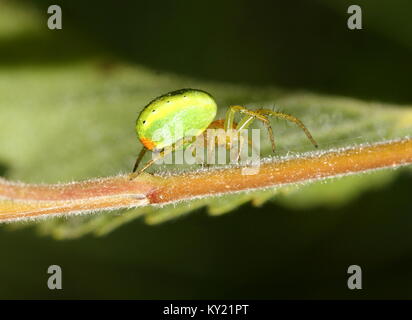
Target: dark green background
[269, 252]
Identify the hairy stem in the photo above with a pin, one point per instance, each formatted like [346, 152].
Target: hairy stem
[23, 201]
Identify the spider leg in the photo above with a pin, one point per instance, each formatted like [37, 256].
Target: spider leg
[194, 144]
[161, 155]
[210, 149]
[249, 140]
[230, 115]
[291, 118]
[192, 148]
[248, 119]
[244, 124]
[239, 152]
[139, 159]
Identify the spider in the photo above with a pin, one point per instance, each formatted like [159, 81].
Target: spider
[193, 112]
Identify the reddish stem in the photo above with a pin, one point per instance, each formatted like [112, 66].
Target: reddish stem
[25, 201]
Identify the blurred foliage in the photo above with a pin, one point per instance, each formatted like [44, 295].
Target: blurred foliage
[299, 44]
[69, 99]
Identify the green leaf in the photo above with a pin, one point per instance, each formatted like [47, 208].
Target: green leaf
[73, 120]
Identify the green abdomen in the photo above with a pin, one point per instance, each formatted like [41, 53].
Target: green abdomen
[176, 115]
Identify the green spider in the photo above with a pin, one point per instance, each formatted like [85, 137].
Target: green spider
[193, 111]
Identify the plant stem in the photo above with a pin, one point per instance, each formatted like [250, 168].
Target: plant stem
[22, 201]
